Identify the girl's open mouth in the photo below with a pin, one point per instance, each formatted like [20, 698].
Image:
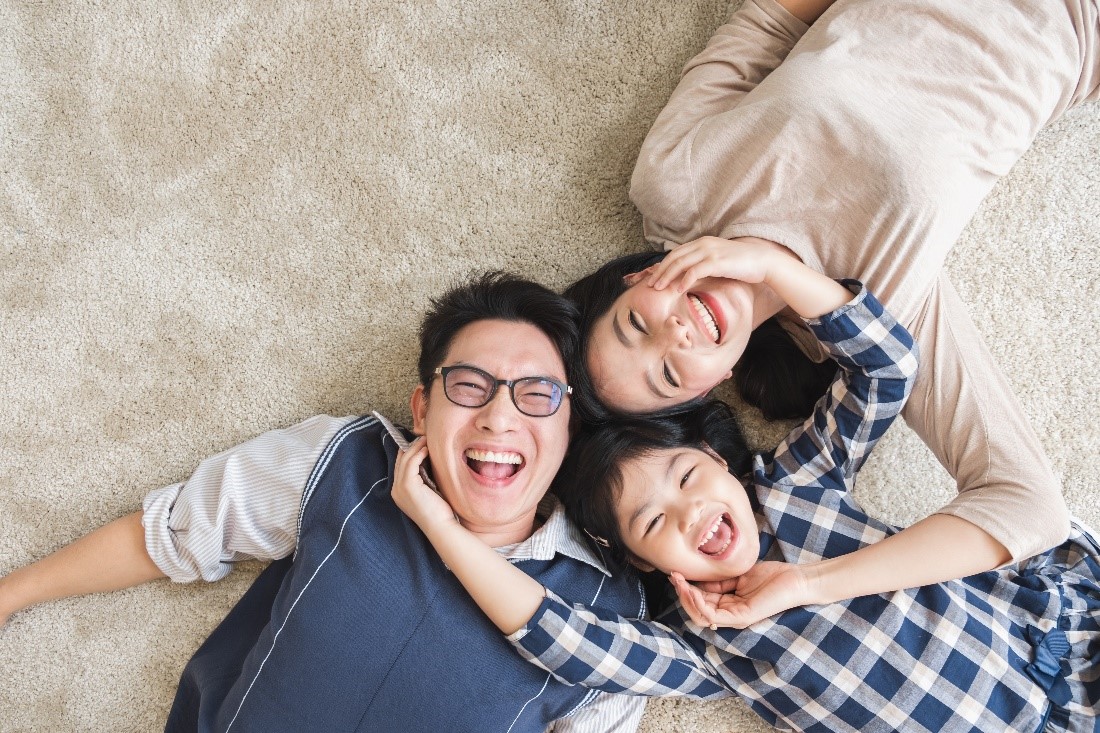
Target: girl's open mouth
[719, 538]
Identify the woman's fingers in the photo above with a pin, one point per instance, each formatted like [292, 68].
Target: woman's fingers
[689, 263]
[670, 265]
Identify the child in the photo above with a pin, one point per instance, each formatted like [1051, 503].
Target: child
[826, 645]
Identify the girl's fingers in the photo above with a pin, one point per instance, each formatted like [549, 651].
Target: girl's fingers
[692, 600]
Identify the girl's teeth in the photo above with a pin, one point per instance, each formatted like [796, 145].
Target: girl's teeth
[710, 534]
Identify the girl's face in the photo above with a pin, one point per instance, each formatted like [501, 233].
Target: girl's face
[680, 509]
[657, 348]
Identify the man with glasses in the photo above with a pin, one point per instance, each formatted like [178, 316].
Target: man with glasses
[358, 625]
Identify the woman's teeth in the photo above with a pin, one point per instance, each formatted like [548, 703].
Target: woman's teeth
[707, 316]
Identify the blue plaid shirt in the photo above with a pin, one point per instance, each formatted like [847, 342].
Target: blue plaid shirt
[984, 653]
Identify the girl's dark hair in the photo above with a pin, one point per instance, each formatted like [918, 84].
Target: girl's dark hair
[591, 480]
[773, 374]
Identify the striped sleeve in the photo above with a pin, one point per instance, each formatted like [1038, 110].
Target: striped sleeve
[603, 713]
[240, 504]
[604, 651]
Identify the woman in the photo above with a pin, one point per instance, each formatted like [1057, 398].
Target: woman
[863, 145]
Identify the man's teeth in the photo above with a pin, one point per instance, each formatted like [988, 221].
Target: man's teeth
[706, 315]
[488, 456]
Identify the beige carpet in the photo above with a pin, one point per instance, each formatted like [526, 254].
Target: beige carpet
[216, 221]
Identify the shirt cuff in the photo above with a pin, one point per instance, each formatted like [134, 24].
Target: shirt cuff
[551, 599]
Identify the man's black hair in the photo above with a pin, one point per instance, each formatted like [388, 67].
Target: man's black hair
[496, 296]
[773, 374]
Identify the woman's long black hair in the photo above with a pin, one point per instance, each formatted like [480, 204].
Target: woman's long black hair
[773, 374]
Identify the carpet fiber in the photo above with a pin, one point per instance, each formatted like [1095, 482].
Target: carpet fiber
[220, 219]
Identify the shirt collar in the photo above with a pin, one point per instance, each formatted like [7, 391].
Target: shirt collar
[557, 535]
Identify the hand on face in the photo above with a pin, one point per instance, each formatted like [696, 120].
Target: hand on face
[422, 505]
[746, 259]
[766, 589]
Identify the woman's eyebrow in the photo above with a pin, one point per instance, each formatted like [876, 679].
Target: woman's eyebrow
[652, 384]
[617, 328]
[619, 333]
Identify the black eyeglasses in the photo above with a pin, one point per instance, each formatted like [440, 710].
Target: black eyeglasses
[468, 386]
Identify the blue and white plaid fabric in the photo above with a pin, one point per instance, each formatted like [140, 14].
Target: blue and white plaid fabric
[1017, 649]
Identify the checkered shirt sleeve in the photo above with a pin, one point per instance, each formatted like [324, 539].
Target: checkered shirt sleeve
[598, 649]
[877, 361]
[803, 486]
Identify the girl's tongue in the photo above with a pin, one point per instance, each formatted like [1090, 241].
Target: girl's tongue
[492, 470]
[719, 541]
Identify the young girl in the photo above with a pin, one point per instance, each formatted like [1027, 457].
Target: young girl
[810, 625]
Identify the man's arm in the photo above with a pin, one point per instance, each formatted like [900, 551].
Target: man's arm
[241, 503]
[112, 557]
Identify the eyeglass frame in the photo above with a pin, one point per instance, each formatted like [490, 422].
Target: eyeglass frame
[443, 371]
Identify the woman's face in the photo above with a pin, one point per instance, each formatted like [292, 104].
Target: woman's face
[655, 349]
[680, 509]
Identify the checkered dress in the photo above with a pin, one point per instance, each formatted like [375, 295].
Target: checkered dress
[1016, 649]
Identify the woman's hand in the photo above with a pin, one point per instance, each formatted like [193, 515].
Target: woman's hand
[766, 589]
[422, 505]
[748, 260]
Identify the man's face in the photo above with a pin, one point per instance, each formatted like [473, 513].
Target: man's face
[494, 464]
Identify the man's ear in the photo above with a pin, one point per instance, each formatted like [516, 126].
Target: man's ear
[418, 405]
[640, 564]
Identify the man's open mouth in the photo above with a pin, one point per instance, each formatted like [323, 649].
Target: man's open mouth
[494, 465]
[706, 315]
[718, 539]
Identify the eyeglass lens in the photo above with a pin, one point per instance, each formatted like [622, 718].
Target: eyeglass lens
[534, 396]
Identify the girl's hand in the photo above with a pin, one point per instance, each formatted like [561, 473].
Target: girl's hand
[422, 505]
[746, 259]
[766, 589]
